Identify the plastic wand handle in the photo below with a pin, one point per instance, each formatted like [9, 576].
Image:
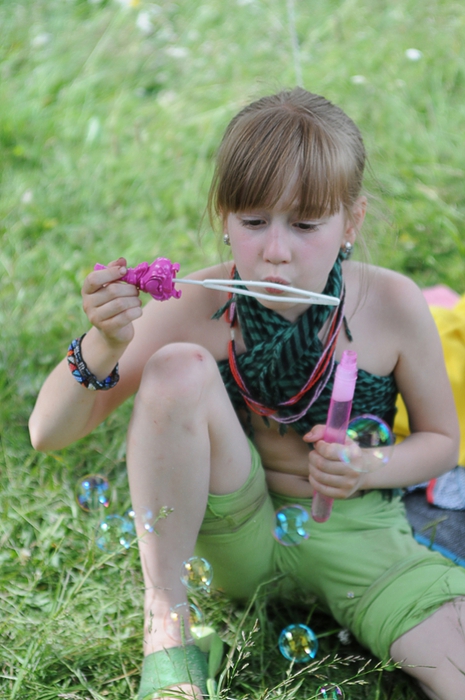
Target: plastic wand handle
[335, 431]
[337, 422]
[321, 507]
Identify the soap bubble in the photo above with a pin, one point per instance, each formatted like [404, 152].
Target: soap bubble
[182, 620]
[292, 525]
[92, 492]
[370, 432]
[330, 692]
[146, 518]
[197, 574]
[114, 533]
[298, 643]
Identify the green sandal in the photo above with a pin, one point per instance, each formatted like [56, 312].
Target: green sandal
[185, 664]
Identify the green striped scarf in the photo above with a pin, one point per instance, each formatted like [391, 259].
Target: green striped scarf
[281, 356]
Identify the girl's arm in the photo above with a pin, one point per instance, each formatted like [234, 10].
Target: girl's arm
[432, 447]
[66, 411]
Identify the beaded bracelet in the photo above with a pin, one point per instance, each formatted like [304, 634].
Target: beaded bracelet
[81, 372]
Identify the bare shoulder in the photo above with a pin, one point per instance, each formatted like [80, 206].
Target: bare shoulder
[386, 292]
[409, 333]
[387, 314]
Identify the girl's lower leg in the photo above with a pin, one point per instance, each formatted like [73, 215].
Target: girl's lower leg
[184, 439]
[434, 652]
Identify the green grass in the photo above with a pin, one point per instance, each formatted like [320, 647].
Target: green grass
[106, 144]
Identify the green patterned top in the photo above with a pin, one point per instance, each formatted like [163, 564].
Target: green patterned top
[281, 355]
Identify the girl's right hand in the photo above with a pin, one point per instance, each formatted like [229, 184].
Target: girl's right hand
[111, 306]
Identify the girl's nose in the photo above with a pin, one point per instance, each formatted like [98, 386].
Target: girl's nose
[276, 250]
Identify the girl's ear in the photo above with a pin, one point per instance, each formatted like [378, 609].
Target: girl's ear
[356, 219]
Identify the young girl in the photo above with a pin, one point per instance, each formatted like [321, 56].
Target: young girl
[287, 191]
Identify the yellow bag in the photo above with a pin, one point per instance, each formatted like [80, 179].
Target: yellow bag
[451, 327]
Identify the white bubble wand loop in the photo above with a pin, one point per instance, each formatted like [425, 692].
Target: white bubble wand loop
[303, 295]
[159, 278]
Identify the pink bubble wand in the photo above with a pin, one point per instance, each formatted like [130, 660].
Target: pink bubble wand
[156, 279]
[337, 422]
[159, 278]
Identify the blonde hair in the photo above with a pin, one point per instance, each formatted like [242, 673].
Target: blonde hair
[296, 137]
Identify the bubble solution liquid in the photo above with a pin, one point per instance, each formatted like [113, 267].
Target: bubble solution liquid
[337, 421]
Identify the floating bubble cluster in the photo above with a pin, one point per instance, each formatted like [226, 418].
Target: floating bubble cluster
[181, 619]
[197, 574]
[333, 692]
[371, 432]
[92, 492]
[298, 643]
[115, 533]
[292, 525]
[147, 519]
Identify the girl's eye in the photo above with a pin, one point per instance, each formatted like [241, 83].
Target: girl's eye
[252, 223]
[306, 226]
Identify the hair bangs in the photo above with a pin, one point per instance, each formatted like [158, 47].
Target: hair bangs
[293, 149]
[254, 168]
[323, 174]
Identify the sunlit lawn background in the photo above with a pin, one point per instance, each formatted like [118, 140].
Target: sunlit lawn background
[110, 113]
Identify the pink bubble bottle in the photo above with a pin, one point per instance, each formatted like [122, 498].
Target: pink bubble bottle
[337, 421]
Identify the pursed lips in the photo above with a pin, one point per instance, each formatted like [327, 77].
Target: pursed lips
[275, 280]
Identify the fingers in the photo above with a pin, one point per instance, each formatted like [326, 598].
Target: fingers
[315, 434]
[109, 293]
[326, 458]
[329, 473]
[99, 278]
[121, 262]
[111, 306]
[110, 315]
[335, 485]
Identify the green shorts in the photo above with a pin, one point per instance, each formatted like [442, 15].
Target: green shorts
[363, 564]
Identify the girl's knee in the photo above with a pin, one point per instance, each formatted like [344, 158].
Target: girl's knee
[178, 371]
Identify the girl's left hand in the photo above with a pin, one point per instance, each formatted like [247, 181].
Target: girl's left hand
[335, 470]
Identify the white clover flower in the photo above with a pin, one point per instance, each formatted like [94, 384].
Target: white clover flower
[144, 23]
[93, 129]
[358, 79]
[177, 51]
[40, 40]
[344, 636]
[145, 19]
[27, 197]
[413, 54]
[166, 98]
[24, 555]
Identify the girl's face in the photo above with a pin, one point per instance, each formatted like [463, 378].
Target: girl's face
[275, 245]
